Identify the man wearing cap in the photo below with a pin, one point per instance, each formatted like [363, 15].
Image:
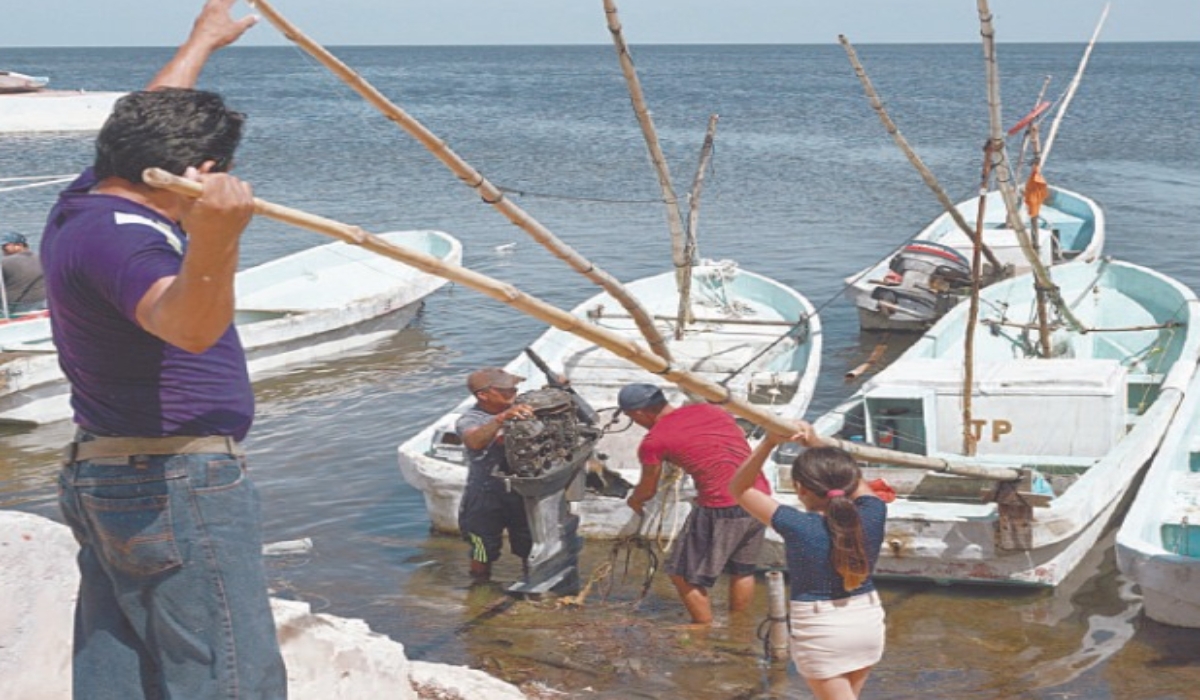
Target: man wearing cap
[719, 536]
[488, 508]
[21, 271]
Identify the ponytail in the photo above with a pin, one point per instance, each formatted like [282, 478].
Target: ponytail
[849, 554]
[832, 472]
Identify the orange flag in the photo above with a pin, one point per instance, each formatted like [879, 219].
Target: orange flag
[1036, 191]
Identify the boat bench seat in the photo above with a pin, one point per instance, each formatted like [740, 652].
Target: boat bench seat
[1070, 228]
[1145, 378]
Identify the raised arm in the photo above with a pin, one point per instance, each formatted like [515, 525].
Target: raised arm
[213, 29]
[193, 309]
[762, 506]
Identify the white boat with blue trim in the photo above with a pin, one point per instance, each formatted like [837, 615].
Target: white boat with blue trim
[756, 336]
[911, 288]
[315, 303]
[1078, 427]
[1158, 545]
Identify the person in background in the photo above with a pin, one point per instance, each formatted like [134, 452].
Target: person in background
[719, 536]
[173, 591]
[488, 509]
[21, 272]
[836, 618]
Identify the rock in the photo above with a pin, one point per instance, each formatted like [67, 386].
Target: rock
[328, 658]
[38, 582]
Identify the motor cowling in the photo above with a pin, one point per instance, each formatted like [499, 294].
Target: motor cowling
[925, 280]
[551, 438]
[937, 266]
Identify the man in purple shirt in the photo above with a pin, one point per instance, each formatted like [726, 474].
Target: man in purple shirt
[172, 598]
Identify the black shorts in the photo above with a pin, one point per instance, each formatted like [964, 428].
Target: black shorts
[483, 516]
[715, 541]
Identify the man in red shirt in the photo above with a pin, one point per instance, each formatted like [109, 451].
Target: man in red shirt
[719, 536]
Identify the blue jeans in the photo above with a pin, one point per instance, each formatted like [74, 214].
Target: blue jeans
[173, 592]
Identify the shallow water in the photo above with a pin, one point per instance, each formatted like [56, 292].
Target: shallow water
[806, 188]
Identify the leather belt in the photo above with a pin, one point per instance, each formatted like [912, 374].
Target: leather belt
[107, 447]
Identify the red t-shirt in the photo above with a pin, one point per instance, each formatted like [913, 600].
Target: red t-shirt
[707, 443]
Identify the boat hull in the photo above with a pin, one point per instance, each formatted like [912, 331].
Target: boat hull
[320, 302]
[1158, 547]
[1087, 421]
[55, 110]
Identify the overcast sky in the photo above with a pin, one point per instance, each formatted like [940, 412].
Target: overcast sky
[469, 22]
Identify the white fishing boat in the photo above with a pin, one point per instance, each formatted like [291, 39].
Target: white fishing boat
[27, 105]
[911, 288]
[315, 303]
[1158, 545]
[760, 338]
[1078, 427]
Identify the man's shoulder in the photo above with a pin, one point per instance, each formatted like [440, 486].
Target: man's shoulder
[693, 412]
[471, 418]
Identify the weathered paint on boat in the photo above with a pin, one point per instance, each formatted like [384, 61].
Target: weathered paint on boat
[1158, 544]
[311, 304]
[1058, 417]
[1072, 226]
[739, 315]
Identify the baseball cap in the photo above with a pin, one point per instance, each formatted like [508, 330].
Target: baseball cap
[13, 237]
[636, 396]
[492, 378]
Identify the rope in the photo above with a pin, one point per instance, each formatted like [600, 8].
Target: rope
[26, 178]
[573, 198]
[47, 183]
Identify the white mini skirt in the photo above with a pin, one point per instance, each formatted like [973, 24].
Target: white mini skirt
[830, 638]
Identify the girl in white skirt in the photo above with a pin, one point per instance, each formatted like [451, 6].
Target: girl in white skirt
[837, 622]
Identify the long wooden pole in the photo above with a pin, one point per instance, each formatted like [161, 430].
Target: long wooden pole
[1042, 312]
[617, 344]
[684, 314]
[1062, 109]
[471, 177]
[927, 175]
[968, 435]
[638, 98]
[1004, 173]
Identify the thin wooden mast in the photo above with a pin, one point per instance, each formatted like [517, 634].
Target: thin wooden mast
[472, 178]
[674, 219]
[927, 175]
[1062, 109]
[684, 315]
[968, 436]
[619, 345]
[1044, 284]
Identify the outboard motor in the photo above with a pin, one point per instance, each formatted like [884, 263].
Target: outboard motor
[546, 456]
[925, 280]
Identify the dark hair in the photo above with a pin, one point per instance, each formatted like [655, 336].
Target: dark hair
[168, 128]
[825, 469]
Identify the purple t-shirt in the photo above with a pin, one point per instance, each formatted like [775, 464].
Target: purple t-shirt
[101, 254]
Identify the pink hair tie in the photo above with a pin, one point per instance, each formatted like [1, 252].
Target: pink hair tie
[834, 493]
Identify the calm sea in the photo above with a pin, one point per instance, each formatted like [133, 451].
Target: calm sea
[806, 187]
